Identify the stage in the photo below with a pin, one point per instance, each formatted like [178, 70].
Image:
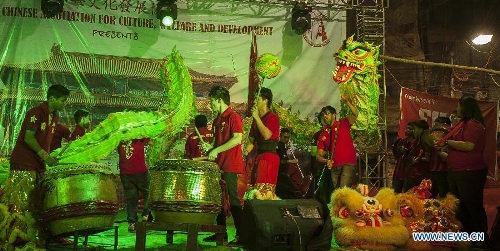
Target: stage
[156, 240]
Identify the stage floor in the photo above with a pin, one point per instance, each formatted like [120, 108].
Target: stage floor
[156, 240]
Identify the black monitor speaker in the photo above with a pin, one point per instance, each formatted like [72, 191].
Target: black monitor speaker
[295, 224]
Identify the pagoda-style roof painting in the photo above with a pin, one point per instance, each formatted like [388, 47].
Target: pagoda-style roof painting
[137, 73]
[112, 81]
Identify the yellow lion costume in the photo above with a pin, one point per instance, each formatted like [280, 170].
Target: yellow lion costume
[367, 222]
[422, 214]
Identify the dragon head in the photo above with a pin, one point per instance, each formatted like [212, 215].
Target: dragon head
[355, 58]
[357, 79]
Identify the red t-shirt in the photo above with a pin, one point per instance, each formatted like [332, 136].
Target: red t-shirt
[224, 126]
[271, 121]
[131, 159]
[400, 169]
[344, 150]
[77, 133]
[193, 146]
[268, 162]
[420, 169]
[316, 135]
[36, 119]
[62, 132]
[474, 132]
[315, 164]
[436, 163]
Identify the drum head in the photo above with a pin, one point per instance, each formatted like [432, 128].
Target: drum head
[430, 137]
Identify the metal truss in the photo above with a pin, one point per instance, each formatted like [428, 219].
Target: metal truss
[261, 7]
[341, 4]
[373, 165]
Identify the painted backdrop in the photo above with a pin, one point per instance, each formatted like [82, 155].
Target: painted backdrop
[214, 38]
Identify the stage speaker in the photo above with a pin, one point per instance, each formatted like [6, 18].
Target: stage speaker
[284, 224]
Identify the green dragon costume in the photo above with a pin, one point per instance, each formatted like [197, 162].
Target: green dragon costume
[121, 126]
[303, 129]
[357, 78]
[17, 225]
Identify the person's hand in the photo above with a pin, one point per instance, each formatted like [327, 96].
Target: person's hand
[346, 99]
[443, 155]
[329, 164]
[440, 145]
[50, 161]
[343, 98]
[293, 161]
[212, 155]
[206, 147]
[255, 112]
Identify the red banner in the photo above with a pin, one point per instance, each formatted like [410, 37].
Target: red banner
[418, 105]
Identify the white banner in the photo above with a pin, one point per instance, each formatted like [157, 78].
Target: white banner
[214, 38]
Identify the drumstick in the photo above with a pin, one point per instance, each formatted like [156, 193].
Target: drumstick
[203, 143]
[200, 158]
[64, 149]
[199, 135]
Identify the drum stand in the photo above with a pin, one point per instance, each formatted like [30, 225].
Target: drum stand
[86, 241]
[191, 229]
[86, 233]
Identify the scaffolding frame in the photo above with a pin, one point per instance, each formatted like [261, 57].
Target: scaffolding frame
[370, 28]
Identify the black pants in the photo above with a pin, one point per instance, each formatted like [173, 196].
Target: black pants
[411, 182]
[231, 180]
[439, 184]
[398, 185]
[132, 185]
[284, 187]
[468, 187]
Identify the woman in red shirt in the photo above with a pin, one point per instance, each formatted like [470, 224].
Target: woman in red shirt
[468, 170]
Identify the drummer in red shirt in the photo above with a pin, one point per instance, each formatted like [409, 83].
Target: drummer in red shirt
[27, 164]
[82, 120]
[62, 132]
[193, 146]
[135, 178]
[337, 139]
[263, 138]
[227, 153]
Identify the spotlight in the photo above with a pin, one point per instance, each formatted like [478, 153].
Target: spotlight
[482, 39]
[52, 8]
[166, 11]
[301, 18]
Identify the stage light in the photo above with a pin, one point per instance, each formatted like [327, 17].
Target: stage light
[166, 11]
[52, 8]
[301, 18]
[482, 39]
